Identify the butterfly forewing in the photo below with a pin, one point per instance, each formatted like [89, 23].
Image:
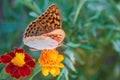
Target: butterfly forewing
[51, 19]
[47, 22]
[33, 30]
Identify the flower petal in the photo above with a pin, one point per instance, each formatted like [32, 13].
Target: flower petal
[61, 65]
[18, 50]
[24, 71]
[10, 68]
[12, 54]
[0, 61]
[60, 58]
[5, 58]
[29, 61]
[16, 74]
[31, 64]
[55, 71]
[45, 71]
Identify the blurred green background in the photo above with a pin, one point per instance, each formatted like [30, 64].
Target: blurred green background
[92, 43]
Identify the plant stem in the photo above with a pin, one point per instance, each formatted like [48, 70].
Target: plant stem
[78, 10]
[37, 69]
[29, 5]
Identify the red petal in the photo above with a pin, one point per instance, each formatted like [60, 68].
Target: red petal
[11, 68]
[16, 74]
[5, 58]
[0, 61]
[27, 58]
[12, 54]
[24, 71]
[29, 61]
[31, 64]
[18, 50]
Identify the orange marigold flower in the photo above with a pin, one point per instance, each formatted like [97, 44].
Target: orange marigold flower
[51, 62]
[19, 63]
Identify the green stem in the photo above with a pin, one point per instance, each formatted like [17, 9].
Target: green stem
[37, 69]
[114, 5]
[32, 7]
[61, 74]
[116, 21]
[78, 10]
[3, 74]
[29, 5]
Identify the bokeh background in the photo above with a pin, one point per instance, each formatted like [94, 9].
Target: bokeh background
[92, 43]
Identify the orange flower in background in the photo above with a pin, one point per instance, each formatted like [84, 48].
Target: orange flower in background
[51, 62]
[19, 63]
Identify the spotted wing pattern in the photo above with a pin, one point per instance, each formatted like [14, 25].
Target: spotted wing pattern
[47, 22]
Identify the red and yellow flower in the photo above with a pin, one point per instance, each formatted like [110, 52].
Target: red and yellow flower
[51, 62]
[0, 61]
[18, 63]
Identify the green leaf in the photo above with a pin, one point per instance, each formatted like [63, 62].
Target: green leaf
[64, 73]
[117, 71]
[61, 74]
[36, 70]
[93, 31]
[73, 45]
[37, 7]
[116, 45]
[70, 53]
[70, 64]
[88, 47]
[33, 14]
[3, 75]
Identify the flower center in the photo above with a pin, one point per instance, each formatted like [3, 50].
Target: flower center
[18, 60]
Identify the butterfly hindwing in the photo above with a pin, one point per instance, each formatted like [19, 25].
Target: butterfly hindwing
[57, 35]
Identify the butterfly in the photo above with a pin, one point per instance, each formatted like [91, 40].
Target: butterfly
[46, 31]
